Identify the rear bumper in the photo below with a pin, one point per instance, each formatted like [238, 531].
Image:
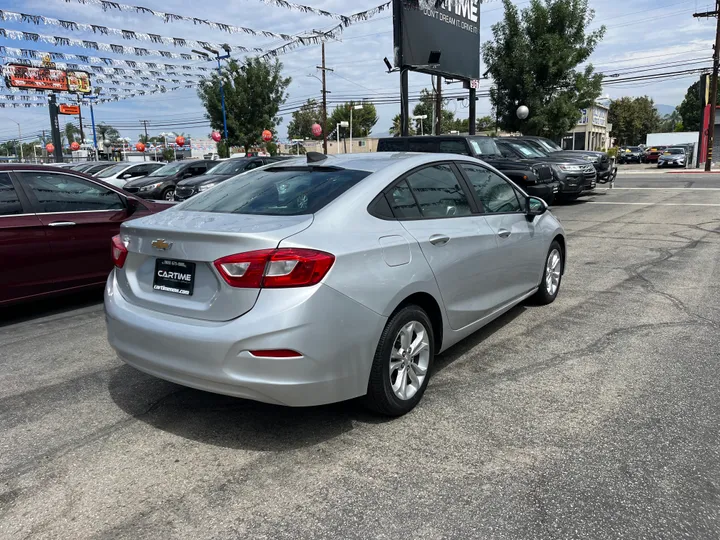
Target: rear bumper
[336, 336]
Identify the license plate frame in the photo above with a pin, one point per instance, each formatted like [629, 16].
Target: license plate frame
[178, 277]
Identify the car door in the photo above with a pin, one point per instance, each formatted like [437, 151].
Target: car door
[434, 205]
[519, 246]
[24, 269]
[80, 217]
[195, 170]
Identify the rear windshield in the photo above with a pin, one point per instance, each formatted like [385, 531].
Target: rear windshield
[277, 191]
[115, 169]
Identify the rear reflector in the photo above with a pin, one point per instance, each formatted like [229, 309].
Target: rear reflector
[276, 353]
[275, 268]
[119, 251]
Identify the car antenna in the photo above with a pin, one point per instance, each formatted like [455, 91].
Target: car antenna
[315, 157]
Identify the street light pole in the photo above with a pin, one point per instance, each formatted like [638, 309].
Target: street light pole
[22, 157]
[222, 88]
[357, 108]
[337, 130]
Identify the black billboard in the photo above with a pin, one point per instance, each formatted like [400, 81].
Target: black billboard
[424, 28]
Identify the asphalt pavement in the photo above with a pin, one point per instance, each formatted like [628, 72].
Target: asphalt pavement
[595, 417]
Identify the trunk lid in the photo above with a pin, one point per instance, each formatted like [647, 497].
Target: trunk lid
[198, 238]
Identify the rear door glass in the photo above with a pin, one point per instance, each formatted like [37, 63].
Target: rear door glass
[438, 192]
[277, 191]
[454, 147]
[402, 202]
[422, 145]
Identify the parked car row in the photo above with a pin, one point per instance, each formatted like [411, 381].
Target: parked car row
[664, 156]
[536, 164]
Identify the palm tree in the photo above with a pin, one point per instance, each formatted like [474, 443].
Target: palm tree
[106, 132]
[69, 132]
[396, 129]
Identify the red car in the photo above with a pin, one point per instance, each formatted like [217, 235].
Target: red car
[55, 229]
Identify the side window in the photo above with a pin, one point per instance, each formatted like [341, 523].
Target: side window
[454, 147]
[138, 170]
[197, 169]
[253, 165]
[65, 193]
[505, 151]
[438, 192]
[422, 145]
[402, 202]
[495, 194]
[392, 145]
[9, 201]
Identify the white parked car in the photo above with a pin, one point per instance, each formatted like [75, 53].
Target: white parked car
[120, 174]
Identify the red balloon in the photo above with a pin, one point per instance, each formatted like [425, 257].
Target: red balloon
[74, 146]
[50, 148]
[140, 147]
[180, 141]
[316, 130]
[216, 136]
[267, 135]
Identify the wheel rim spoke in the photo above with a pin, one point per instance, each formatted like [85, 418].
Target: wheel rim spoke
[409, 360]
[418, 370]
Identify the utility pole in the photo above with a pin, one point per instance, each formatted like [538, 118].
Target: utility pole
[147, 139]
[324, 101]
[438, 106]
[714, 83]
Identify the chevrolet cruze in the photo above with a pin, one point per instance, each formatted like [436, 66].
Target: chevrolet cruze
[328, 278]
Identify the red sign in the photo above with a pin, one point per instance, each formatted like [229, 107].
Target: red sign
[316, 130]
[42, 78]
[267, 135]
[69, 109]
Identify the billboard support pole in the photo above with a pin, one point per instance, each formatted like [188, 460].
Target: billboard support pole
[404, 104]
[472, 121]
[438, 107]
[55, 128]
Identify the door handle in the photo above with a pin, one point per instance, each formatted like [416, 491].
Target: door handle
[62, 224]
[503, 233]
[439, 239]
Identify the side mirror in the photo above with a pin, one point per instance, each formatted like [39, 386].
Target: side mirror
[126, 176]
[535, 207]
[132, 205]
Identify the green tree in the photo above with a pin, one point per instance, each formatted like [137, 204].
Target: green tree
[690, 109]
[300, 127]
[533, 61]
[670, 122]
[395, 129]
[254, 92]
[426, 107]
[105, 132]
[632, 119]
[363, 119]
[168, 155]
[69, 133]
[485, 123]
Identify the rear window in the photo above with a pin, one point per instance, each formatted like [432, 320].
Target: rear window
[277, 191]
[392, 145]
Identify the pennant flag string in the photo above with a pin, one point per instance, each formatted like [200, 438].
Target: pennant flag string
[101, 65]
[345, 20]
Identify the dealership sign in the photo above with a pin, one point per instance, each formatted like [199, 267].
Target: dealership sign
[46, 78]
[438, 37]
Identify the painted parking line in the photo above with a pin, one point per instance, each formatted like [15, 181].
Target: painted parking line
[659, 189]
[652, 203]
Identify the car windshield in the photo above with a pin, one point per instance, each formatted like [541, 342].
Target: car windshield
[233, 166]
[526, 150]
[277, 191]
[168, 170]
[548, 145]
[112, 171]
[675, 151]
[483, 146]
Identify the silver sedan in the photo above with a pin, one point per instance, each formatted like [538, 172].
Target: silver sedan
[323, 279]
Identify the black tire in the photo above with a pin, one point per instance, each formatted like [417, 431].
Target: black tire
[380, 396]
[165, 195]
[543, 296]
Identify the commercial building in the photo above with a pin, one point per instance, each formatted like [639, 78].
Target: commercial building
[592, 131]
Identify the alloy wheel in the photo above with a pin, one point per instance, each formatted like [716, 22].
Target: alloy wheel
[170, 195]
[553, 267]
[409, 360]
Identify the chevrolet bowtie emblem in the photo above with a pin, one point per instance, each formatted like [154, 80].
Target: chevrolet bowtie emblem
[161, 244]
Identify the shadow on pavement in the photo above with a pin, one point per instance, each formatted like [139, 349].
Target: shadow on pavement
[239, 423]
[36, 309]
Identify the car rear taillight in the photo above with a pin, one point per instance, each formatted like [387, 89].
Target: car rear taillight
[275, 268]
[119, 251]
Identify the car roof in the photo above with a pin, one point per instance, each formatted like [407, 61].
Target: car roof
[373, 161]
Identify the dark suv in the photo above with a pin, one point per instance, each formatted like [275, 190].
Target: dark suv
[160, 184]
[575, 175]
[534, 176]
[606, 171]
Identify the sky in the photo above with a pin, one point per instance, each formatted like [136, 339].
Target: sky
[641, 35]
